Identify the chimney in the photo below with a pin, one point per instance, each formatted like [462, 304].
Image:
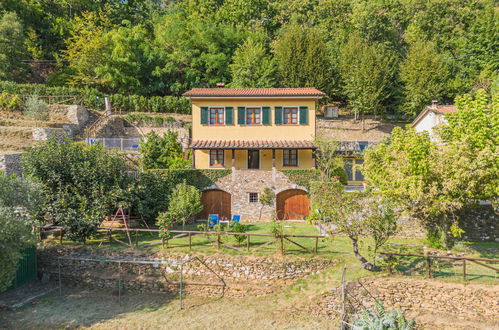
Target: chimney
[434, 104]
[220, 84]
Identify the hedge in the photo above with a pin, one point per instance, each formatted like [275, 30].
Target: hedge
[304, 177]
[155, 186]
[93, 99]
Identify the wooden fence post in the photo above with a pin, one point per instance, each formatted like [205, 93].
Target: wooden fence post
[282, 245]
[190, 241]
[316, 245]
[464, 269]
[428, 264]
[248, 242]
[218, 241]
[136, 239]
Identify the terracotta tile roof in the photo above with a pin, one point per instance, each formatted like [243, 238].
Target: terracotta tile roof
[253, 92]
[444, 109]
[249, 144]
[439, 109]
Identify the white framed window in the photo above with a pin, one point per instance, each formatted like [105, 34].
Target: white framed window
[253, 197]
[253, 115]
[290, 116]
[217, 158]
[217, 115]
[290, 157]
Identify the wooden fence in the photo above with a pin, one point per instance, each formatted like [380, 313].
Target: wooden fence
[429, 264]
[215, 237]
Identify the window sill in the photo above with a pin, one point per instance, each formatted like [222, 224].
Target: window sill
[217, 166]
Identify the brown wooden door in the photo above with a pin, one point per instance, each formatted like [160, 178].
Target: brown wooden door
[292, 204]
[215, 202]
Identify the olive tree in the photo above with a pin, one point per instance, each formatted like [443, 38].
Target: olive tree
[355, 214]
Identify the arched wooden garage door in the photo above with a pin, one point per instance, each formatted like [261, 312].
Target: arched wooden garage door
[292, 204]
[215, 202]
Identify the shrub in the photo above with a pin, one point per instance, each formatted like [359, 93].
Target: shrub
[379, 319]
[162, 151]
[11, 102]
[36, 108]
[165, 222]
[238, 227]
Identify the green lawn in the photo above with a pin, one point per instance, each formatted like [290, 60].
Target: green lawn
[336, 247]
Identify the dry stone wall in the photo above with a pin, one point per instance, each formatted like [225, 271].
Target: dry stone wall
[431, 303]
[241, 274]
[11, 163]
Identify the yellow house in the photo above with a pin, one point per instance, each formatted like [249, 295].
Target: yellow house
[253, 128]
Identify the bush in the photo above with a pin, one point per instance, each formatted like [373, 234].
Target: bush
[11, 102]
[36, 108]
[165, 222]
[238, 227]
[379, 319]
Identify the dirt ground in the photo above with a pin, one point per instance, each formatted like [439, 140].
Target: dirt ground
[81, 308]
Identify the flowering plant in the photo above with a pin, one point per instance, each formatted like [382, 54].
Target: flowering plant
[165, 222]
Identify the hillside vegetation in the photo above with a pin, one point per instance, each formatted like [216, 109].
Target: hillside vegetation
[375, 56]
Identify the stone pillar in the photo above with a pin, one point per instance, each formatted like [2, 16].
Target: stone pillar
[233, 165]
[273, 167]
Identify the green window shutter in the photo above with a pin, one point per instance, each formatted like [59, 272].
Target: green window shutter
[229, 116]
[303, 115]
[241, 115]
[278, 115]
[266, 115]
[204, 115]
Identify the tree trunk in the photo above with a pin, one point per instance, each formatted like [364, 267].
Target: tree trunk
[355, 246]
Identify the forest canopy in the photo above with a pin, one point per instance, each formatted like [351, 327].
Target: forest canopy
[382, 56]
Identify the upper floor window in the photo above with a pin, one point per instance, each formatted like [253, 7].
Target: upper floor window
[290, 157]
[217, 158]
[253, 116]
[217, 116]
[290, 115]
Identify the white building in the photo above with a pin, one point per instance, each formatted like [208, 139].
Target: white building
[431, 117]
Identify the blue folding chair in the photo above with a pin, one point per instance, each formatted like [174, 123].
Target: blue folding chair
[236, 218]
[212, 220]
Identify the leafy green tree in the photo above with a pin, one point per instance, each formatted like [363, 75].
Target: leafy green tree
[12, 48]
[367, 72]
[428, 183]
[252, 66]
[302, 57]
[19, 203]
[423, 73]
[356, 214]
[80, 184]
[328, 161]
[185, 203]
[162, 151]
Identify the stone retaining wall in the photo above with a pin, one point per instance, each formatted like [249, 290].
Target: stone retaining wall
[11, 163]
[242, 274]
[432, 304]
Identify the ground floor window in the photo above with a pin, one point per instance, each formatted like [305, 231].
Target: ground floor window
[353, 168]
[290, 157]
[253, 197]
[217, 158]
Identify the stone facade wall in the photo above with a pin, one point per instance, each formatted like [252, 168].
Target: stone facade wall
[11, 163]
[241, 274]
[243, 182]
[432, 304]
